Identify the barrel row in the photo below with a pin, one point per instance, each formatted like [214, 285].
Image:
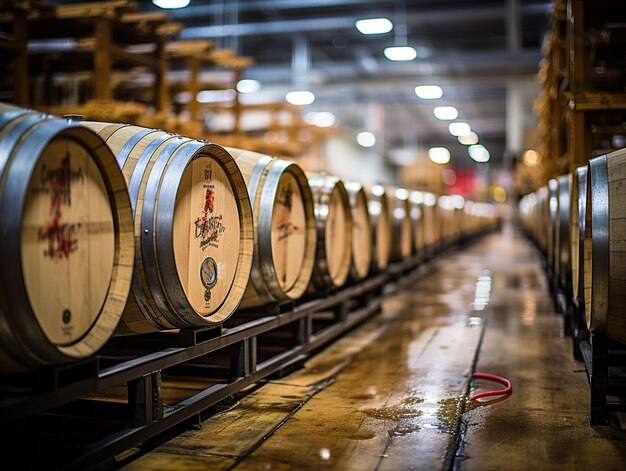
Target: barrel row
[115, 229]
[578, 221]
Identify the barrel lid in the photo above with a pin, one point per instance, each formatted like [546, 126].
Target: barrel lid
[206, 230]
[67, 241]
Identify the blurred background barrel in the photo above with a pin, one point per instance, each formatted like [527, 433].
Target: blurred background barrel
[334, 231]
[431, 222]
[193, 228]
[401, 226]
[605, 234]
[284, 228]
[362, 249]
[562, 266]
[543, 214]
[578, 202]
[550, 224]
[380, 216]
[67, 233]
[416, 202]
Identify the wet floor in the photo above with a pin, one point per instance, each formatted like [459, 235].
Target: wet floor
[392, 394]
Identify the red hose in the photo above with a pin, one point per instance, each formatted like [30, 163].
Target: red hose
[497, 379]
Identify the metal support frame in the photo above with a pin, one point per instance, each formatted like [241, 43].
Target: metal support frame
[604, 359]
[189, 353]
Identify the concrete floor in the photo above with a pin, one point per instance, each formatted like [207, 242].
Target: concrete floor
[392, 394]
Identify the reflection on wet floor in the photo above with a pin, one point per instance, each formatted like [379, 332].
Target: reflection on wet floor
[393, 393]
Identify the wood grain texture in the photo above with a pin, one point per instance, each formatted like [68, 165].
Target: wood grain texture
[574, 237]
[68, 239]
[402, 231]
[334, 231]
[361, 235]
[74, 242]
[209, 240]
[284, 227]
[338, 237]
[616, 320]
[380, 216]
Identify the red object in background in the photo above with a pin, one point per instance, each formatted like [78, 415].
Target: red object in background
[465, 184]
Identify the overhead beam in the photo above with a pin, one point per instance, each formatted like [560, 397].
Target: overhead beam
[497, 63]
[423, 17]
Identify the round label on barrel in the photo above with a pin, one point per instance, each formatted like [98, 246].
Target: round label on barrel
[67, 241]
[361, 236]
[206, 234]
[288, 231]
[335, 233]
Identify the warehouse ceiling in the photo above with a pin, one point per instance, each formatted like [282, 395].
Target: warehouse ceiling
[483, 54]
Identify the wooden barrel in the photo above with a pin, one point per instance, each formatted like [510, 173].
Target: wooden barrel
[380, 216]
[431, 222]
[334, 231]
[446, 209]
[67, 241]
[550, 222]
[416, 201]
[543, 214]
[284, 228]
[362, 249]
[578, 202]
[193, 228]
[401, 225]
[605, 243]
[562, 266]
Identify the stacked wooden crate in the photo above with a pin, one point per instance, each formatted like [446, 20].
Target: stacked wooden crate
[582, 105]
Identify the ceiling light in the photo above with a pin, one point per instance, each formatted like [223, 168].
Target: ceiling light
[248, 86]
[374, 25]
[300, 97]
[478, 153]
[530, 158]
[428, 92]
[366, 139]
[400, 53]
[322, 119]
[459, 128]
[171, 4]
[446, 113]
[439, 155]
[469, 139]
[215, 96]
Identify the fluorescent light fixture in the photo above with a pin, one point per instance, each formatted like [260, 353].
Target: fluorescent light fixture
[430, 199]
[469, 139]
[378, 190]
[366, 139]
[439, 155]
[215, 96]
[321, 119]
[374, 25]
[171, 4]
[428, 92]
[300, 97]
[402, 194]
[530, 158]
[417, 197]
[459, 201]
[459, 128]
[400, 53]
[446, 113]
[478, 153]
[248, 86]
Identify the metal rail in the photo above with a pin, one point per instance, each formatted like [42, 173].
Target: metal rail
[139, 363]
